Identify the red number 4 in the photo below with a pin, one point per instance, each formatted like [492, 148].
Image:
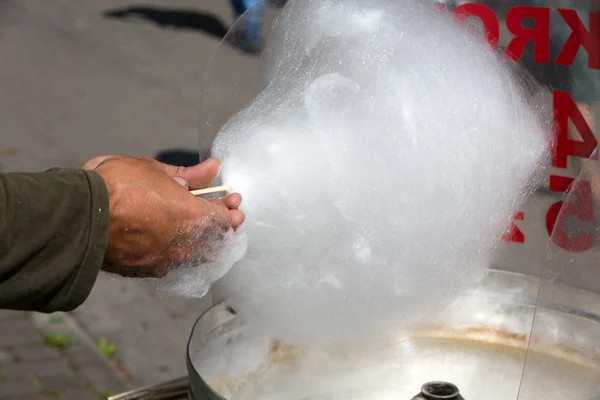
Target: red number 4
[560, 211]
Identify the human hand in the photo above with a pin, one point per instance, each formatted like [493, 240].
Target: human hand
[155, 223]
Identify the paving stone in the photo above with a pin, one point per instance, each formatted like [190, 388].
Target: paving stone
[20, 370]
[77, 395]
[16, 325]
[12, 389]
[30, 397]
[6, 357]
[8, 315]
[61, 381]
[27, 365]
[81, 355]
[101, 379]
[36, 353]
[19, 333]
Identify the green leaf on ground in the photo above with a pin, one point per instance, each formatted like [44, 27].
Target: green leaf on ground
[57, 341]
[107, 348]
[106, 394]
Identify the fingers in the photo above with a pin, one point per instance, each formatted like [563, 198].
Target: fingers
[234, 217]
[232, 201]
[237, 218]
[202, 175]
[220, 208]
[197, 177]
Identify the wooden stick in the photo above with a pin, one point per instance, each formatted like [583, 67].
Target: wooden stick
[216, 189]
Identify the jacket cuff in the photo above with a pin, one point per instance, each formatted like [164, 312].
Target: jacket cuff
[82, 282]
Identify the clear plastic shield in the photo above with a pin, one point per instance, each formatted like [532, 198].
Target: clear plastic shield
[234, 77]
[565, 340]
[497, 340]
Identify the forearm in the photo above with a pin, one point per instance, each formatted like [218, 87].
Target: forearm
[53, 236]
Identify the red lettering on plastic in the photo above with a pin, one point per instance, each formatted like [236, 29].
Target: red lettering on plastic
[487, 17]
[581, 37]
[566, 110]
[539, 34]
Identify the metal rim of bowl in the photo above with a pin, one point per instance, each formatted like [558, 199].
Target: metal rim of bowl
[199, 388]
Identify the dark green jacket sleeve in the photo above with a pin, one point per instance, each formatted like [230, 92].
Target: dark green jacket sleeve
[53, 236]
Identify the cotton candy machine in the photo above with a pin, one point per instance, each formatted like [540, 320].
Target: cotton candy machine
[482, 354]
[530, 330]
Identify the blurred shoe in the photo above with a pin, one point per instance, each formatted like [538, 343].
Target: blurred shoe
[248, 39]
[278, 3]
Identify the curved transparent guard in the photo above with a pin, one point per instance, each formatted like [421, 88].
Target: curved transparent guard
[234, 76]
[564, 345]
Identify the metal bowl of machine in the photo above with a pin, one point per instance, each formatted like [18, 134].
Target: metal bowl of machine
[481, 349]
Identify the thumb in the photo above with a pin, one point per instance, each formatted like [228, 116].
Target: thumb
[182, 181]
[198, 176]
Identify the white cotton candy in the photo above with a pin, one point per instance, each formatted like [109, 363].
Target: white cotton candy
[379, 168]
[213, 257]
